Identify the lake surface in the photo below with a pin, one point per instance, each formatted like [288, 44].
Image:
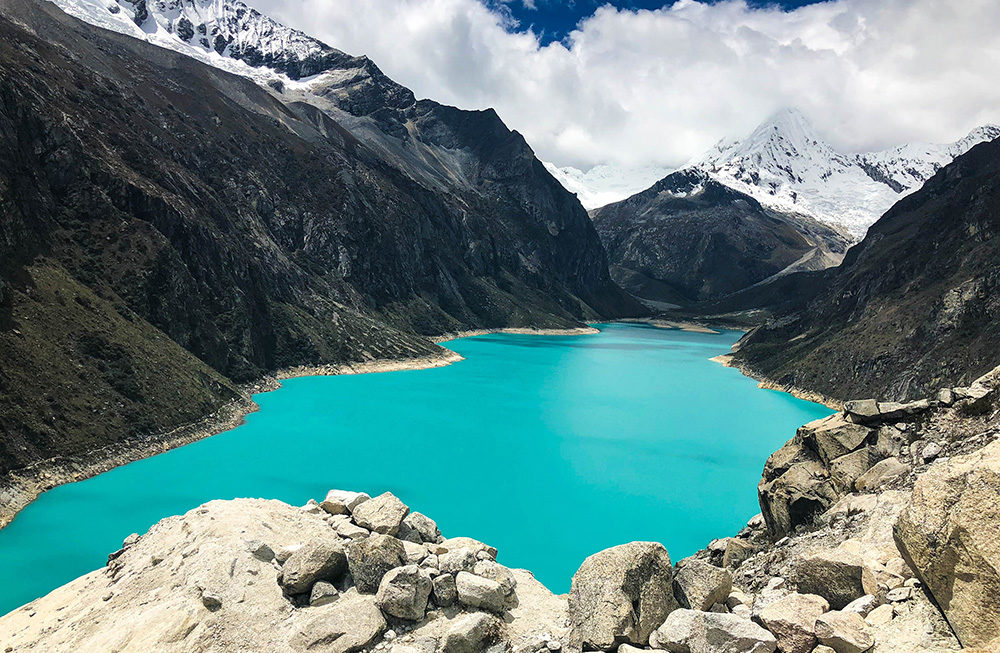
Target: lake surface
[549, 448]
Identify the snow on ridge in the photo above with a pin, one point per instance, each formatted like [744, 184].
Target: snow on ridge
[606, 184]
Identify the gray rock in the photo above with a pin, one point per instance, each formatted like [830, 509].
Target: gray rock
[931, 451]
[322, 593]
[699, 585]
[383, 514]
[463, 559]
[261, 551]
[211, 600]
[445, 590]
[349, 625]
[351, 531]
[891, 411]
[844, 632]
[901, 594]
[371, 558]
[837, 576]
[792, 620]
[880, 473]
[284, 553]
[316, 560]
[414, 552]
[847, 469]
[862, 606]
[342, 502]
[948, 534]
[478, 592]
[833, 436]
[945, 397]
[862, 410]
[620, 595]
[424, 526]
[403, 592]
[691, 631]
[473, 633]
[500, 575]
[454, 543]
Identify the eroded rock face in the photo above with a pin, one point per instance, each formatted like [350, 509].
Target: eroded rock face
[838, 576]
[621, 595]
[950, 534]
[403, 592]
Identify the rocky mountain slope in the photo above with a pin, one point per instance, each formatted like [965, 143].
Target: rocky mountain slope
[911, 308]
[689, 238]
[170, 230]
[876, 535]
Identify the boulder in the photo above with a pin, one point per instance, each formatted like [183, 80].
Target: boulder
[880, 616]
[322, 593]
[862, 410]
[403, 592]
[833, 436]
[383, 514]
[862, 606]
[452, 562]
[948, 534]
[424, 526]
[844, 632]
[454, 543]
[691, 631]
[472, 633]
[838, 576]
[478, 592]
[847, 469]
[792, 620]
[880, 473]
[371, 558]
[891, 411]
[620, 595]
[798, 496]
[500, 575]
[445, 590]
[342, 502]
[699, 585]
[349, 625]
[414, 552]
[322, 559]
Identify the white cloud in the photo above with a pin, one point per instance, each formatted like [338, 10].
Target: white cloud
[659, 87]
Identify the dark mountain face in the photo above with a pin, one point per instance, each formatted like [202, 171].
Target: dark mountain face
[689, 238]
[913, 306]
[168, 229]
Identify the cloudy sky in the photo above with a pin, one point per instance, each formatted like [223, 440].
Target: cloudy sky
[646, 83]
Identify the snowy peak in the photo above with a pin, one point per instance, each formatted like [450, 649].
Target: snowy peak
[606, 184]
[786, 165]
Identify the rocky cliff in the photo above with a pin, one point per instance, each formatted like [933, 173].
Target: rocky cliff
[896, 554]
[912, 307]
[689, 238]
[170, 231]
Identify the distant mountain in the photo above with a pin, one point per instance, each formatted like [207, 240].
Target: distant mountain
[913, 307]
[689, 238]
[604, 184]
[785, 165]
[169, 230]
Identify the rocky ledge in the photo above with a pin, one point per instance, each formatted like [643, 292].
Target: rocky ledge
[879, 533]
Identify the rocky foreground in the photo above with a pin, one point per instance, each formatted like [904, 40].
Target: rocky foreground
[879, 532]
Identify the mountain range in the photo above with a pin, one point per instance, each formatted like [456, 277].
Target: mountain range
[171, 231]
[787, 166]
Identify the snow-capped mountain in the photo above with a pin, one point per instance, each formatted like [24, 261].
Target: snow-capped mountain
[224, 33]
[606, 184]
[786, 165]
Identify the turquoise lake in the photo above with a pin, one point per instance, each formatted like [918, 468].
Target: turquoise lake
[549, 448]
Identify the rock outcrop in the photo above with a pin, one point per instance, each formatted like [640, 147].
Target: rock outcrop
[620, 595]
[948, 533]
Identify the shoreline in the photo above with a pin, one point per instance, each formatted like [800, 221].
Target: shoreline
[764, 383]
[21, 487]
[520, 331]
[679, 325]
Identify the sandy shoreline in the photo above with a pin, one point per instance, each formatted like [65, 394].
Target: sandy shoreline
[19, 488]
[727, 360]
[577, 331]
[679, 325]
